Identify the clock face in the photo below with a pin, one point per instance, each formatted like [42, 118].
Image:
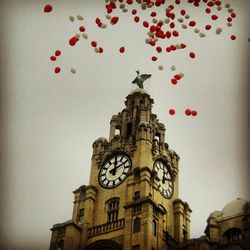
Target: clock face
[166, 185]
[114, 171]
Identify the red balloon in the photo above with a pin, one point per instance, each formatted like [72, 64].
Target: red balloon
[214, 17]
[93, 44]
[168, 34]
[171, 111]
[208, 10]
[53, 58]
[172, 47]
[168, 49]
[58, 53]
[134, 11]
[114, 20]
[159, 49]
[122, 50]
[174, 81]
[145, 24]
[82, 28]
[153, 14]
[208, 27]
[194, 113]
[73, 41]
[137, 19]
[175, 33]
[233, 37]
[233, 14]
[183, 45]
[47, 8]
[57, 70]
[177, 77]
[183, 12]
[154, 58]
[210, 4]
[100, 50]
[192, 54]
[172, 25]
[188, 112]
[152, 43]
[98, 20]
[192, 23]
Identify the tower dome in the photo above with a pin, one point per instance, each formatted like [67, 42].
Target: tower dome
[234, 207]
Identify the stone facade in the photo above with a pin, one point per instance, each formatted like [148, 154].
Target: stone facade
[132, 200]
[144, 211]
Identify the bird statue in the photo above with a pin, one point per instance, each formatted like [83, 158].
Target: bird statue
[140, 79]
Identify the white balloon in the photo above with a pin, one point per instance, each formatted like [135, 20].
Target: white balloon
[79, 17]
[173, 68]
[71, 18]
[184, 26]
[84, 35]
[202, 34]
[160, 67]
[218, 30]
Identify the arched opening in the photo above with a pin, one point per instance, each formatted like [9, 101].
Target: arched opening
[104, 245]
[137, 225]
[232, 235]
[112, 208]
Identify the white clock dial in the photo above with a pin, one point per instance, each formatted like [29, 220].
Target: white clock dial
[114, 171]
[166, 185]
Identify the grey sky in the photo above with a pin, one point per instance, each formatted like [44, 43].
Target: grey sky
[50, 121]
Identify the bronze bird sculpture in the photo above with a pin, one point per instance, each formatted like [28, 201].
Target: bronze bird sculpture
[140, 79]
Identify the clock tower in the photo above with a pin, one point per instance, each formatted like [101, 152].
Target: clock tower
[132, 200]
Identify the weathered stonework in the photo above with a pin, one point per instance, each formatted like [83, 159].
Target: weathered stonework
[134, 214]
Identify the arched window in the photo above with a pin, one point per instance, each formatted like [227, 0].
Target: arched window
[154, 227]
[184, 231]
[233, 235]
[112, 209]
[137, 225]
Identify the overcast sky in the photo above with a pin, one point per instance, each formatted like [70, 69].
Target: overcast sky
[49, 121]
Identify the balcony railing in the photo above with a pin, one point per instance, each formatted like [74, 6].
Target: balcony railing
[107, 227]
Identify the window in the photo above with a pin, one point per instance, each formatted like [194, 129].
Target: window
[117, 130]
[157, 136]
[80, 216]
[60, 245]
[233, 235]
[137, 247]
[61, 231]
[184, 230]
[137, 195]
[154, 225]
[137, 208]
[112, 209]
[137, 225]
[129, 129]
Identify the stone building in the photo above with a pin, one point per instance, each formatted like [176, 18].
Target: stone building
[228, 229]
[132, 200]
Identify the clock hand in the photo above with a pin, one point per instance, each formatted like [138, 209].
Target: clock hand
[113, 171]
